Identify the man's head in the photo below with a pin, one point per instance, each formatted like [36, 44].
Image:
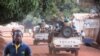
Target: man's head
[17, 36]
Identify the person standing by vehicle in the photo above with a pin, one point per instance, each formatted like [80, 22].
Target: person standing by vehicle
[17, 47]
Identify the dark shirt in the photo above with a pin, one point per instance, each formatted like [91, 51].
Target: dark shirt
[23, 50]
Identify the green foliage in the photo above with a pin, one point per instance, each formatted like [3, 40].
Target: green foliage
[30, 21]
[16, 10]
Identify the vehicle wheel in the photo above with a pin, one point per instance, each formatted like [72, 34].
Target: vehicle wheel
[57, 51]
[54, 52]
[35, 42]
[75, 53]
[50, 50]
[67, 32]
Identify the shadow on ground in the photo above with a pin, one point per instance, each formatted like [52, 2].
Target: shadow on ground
[46, 54]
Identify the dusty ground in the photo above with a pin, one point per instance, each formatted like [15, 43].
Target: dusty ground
[42, 49]
[2, 44]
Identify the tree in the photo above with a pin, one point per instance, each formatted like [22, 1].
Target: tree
[30, 21]
[16, 10]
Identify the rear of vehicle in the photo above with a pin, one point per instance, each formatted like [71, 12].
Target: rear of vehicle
[65, 41]
[65, 44]
[41, 34]
[40, 37]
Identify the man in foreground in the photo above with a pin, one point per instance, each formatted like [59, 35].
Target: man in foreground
[17, 47]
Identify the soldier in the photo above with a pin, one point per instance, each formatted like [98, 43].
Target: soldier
[42, 26]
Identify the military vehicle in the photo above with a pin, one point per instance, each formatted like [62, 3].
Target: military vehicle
[41, 33]
[64, 38]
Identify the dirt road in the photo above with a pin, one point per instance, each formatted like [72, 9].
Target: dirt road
[42, 49]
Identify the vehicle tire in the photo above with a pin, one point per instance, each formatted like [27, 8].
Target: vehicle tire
[67, 32]
[74, 53]
[54, 52]
[35, 43]
[50, 50]
[57, 51]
